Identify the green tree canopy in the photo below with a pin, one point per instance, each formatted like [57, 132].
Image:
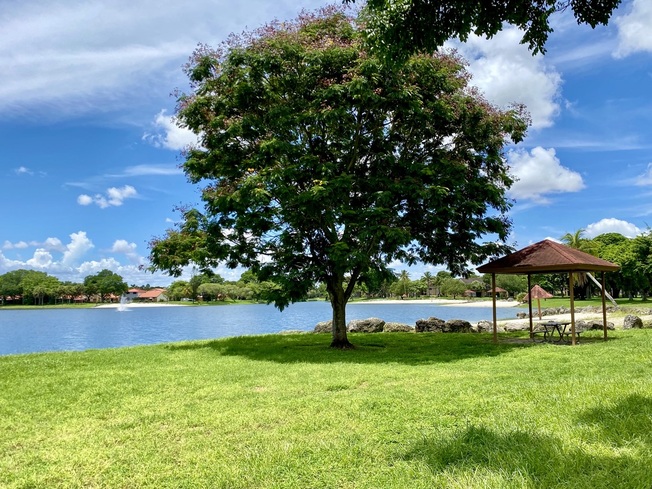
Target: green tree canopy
[453, 287]
[179, 289]
[513, 284]
[320, 163]
[400, 27]
[105, 283]
[39, 285]
[11, 283]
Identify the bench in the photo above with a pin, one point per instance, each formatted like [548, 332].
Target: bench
[568, 335]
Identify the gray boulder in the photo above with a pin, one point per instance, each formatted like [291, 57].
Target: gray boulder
[482, 327]
[521, 315]
[631, 321]
[592, 324]
[486, 327]
[457, 326]
[398, 328]
[516, 326]
[430, 325]
[291, 332]
[324, 327]
[369, 325]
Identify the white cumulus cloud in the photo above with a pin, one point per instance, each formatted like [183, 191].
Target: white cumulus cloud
[70, 261]
[169, 135]
[634, 33]
[22, 170]
[8, 245]
[6, 264]
[94, 266]
[84, 199]
[53, 244]
[42, 260]
[507, 73]
[121, 246]
[612, 225]
[114, 197]
[539, 173]
[77, 248]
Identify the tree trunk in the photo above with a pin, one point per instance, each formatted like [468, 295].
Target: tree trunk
[338, 303]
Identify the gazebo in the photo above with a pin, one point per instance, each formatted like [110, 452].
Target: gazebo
[537, 293]
[549, 257]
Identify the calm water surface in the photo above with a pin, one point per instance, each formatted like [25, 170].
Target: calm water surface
[29, 331]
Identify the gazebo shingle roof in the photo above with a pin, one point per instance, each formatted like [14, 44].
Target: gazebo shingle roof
[537, 292]
[545, 257]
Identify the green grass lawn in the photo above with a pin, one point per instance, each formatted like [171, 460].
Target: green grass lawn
[277, 411]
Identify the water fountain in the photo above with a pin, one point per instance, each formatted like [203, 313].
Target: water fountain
[122, 307]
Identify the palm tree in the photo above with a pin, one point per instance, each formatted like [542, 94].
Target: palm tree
[428, 278]
[404, 278]
[576, 240]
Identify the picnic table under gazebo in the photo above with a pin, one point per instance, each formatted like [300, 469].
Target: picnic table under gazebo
[543, 257]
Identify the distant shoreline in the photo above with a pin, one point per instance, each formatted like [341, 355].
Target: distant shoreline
[434, 302]
[443, 302]
[136, 305]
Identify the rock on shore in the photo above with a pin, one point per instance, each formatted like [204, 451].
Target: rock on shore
[585, 319]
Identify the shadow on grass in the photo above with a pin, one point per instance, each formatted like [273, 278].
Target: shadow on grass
[529, 460]
[404, 348]
[625, 424]
[617, 454]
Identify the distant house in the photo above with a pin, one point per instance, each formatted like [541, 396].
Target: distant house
[132, 294]
[474, 293]
[153, 295]
[499, 293]
[157, 294]
[486, 290]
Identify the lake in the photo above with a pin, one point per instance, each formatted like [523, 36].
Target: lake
[30, 331]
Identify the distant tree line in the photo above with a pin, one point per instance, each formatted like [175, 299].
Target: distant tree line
[634, 279]
[210, 287]
[38, 288]
[633, 255]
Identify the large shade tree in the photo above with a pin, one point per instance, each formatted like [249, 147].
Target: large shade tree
[11, 284]
[321, 164]
[397, 27]
[105, 283]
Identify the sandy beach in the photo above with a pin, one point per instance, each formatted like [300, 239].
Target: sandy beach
[436, 302]
[135, 305]
[616, 319]
[443, 302]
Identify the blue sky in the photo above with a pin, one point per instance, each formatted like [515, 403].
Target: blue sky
[89, 156]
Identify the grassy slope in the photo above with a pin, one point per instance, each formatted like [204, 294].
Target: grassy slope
[402, 410]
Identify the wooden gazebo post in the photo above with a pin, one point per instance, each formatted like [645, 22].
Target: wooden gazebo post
[604, 307]
[493, 298]
[529, 288]
[571, 292]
